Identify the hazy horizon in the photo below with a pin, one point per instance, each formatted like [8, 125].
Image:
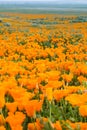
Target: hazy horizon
[44, 6]
[57, 1]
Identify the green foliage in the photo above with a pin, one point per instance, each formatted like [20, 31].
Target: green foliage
[22, 42]
[7, 126]
[47, 126]
[25, 123]
[8, 98]
[79, 19]
[7, 24]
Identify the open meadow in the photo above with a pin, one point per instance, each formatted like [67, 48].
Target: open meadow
[43, 71]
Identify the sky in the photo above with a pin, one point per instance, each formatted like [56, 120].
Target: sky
[59, 1]
[65, 1]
